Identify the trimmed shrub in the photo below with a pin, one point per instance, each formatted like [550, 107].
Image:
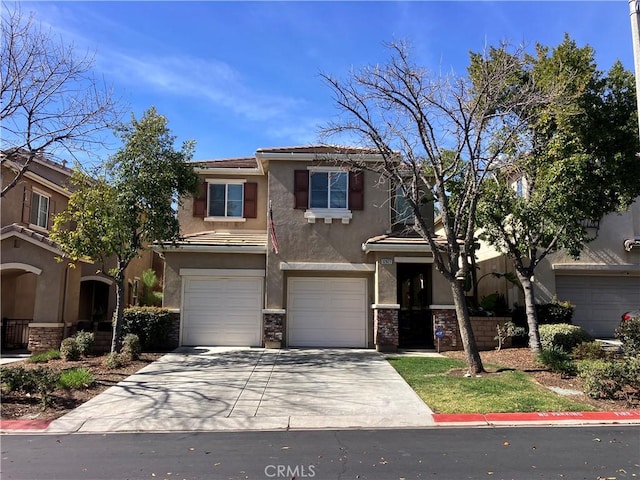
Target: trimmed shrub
[84, 342]
[69, 350]
[589, 351]
[557, 360]
[75, 378]
[131, 346]
[44, 357]
[115, 360]
[628, 332]
[555, 312]
[152, 325]
[41, 381]
[563, 335]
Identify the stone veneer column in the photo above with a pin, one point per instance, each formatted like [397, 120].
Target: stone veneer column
[273, 324]
[385, 324]
[45, 336]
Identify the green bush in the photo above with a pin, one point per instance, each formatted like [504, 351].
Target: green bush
[84, 342]
[557, 360]
[589, 351]
[41, 381]
[115, 360]
[610, 379]
[75, 378]
[69, 350]
[563, 335]
[131, 346]
[555, 312]
[628, 332]
[152, 325]
[44, 357]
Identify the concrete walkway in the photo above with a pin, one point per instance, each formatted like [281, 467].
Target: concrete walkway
[205, 389]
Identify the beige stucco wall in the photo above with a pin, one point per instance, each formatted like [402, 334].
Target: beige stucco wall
[190, 224]
[604, 256]
[174, 261]
[45, 292]
[11, 205]
[301, 241]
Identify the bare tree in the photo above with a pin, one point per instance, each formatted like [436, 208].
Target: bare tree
[48, 97]
[439, 137]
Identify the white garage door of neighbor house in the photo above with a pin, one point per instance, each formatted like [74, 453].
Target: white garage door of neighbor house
[600, 301]
[327, 312]
[224, 311]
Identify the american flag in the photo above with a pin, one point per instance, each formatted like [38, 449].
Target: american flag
[272, 231]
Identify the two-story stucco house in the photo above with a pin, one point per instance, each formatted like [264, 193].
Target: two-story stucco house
[44, 298]
[335, 268]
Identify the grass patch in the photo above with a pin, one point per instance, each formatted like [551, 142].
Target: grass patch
[508, 391]
[75, 378]
[44, 357]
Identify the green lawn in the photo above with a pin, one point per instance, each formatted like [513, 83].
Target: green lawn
[507, 391]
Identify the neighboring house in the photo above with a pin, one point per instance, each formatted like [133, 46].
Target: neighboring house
[602, 284]
[45, 299]
[344, 271]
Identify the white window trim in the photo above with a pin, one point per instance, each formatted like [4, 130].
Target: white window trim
[33, 226]
[225, 181]
[328, 214]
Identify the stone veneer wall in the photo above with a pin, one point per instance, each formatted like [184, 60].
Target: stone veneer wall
[273, 329]
[43, 338]
[484, 330]
[385, 324]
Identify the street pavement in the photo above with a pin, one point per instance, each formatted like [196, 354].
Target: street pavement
[250, 389]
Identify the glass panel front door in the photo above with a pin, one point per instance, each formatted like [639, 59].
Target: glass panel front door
[415, 327]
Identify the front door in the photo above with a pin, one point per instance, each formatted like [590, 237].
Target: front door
[415, 328]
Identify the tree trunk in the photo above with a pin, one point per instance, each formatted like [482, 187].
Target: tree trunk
[118, 314]
[530, 308]
[474, 362]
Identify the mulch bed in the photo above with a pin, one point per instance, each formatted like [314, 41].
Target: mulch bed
[20, 406]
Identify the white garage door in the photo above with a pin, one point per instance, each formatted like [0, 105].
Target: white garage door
[222, 311]
[327, 312]
[599, 300]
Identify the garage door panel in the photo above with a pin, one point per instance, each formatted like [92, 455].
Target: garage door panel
[599, 300]
[327, 312]
[222, 311]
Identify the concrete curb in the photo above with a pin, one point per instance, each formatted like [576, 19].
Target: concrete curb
[437, 420]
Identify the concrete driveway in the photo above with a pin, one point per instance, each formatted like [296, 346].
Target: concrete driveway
[204, 389]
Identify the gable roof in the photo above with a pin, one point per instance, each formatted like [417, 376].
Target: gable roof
[321, 149]
[245, 162]
[41, 169]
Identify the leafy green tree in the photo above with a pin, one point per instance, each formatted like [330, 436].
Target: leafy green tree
[131, 205]
[575, 163]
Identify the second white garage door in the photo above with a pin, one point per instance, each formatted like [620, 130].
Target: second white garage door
[223, 311]
[599, 300]
[327, 312]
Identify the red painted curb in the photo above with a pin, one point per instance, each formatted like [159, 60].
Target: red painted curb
[458, 417]
[24, 424]
[619, 416]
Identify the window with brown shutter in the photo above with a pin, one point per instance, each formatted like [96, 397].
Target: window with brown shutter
[356, 190]
[26, 204]
[301, 189]
[200, 201]
[250, 200]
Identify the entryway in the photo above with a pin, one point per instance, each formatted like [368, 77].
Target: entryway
[415, 327]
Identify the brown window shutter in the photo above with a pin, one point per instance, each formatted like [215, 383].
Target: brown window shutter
[250, 200]
[26, 205]
[356, 190]
[200, 201]
[301, 189]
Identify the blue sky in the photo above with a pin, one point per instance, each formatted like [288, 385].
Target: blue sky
[237, 76]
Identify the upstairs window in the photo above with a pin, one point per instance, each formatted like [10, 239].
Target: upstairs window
[328, 190]
[402, 212]
[39, 210]
[225, 200]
